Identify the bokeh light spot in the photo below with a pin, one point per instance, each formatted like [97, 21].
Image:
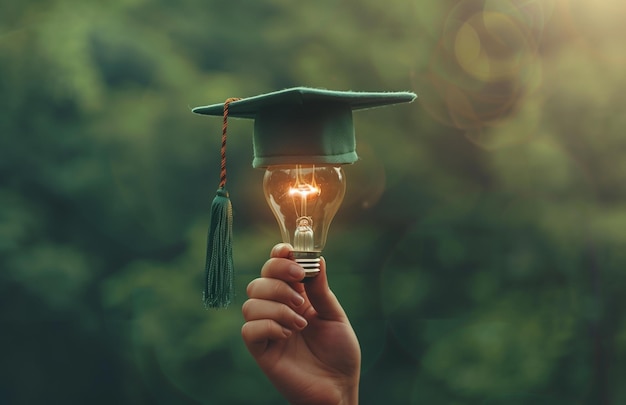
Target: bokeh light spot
[485, 64]
[467, 46]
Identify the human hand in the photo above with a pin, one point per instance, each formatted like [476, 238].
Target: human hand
[299, 334]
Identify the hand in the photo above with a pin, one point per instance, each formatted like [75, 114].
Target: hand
[299, 334]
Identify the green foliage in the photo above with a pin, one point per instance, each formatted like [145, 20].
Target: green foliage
[479, 252]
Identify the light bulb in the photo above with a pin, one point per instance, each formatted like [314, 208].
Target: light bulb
[304, 200]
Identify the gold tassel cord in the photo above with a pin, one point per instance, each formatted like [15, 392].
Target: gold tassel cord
[219, 271]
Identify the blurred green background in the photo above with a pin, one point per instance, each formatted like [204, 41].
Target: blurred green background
[480, 252]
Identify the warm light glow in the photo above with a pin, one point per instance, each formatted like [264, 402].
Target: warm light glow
[304, 199]
[304, 190]
[302, 187]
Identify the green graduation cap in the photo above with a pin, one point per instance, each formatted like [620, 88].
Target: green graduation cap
[304, 125]
[296, 126]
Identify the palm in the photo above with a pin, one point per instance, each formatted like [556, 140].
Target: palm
[312, 365]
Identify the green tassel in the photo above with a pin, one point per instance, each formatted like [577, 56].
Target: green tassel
[219, 291]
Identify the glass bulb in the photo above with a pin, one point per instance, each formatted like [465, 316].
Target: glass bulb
[304, 200]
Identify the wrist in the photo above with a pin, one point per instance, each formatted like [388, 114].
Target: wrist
[351, 394]
[351, 398]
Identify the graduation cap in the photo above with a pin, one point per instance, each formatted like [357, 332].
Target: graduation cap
[296, 126]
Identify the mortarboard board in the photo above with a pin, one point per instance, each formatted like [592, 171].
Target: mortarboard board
[299, 125]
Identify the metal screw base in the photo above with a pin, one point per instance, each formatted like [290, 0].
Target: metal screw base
[310, 262]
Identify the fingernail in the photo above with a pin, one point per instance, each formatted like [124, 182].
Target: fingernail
[297, 300]
[296, 271]
[301, 322]
[286, 332]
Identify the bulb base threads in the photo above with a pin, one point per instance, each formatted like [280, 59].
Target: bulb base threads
[310, 262]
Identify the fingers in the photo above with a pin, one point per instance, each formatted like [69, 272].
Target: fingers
[315, 289]
[281, 250]
[274, 290]
[279, 304]
[280, 267]
[258, 333]
[271, 312]
[256, 309]
[268, 320]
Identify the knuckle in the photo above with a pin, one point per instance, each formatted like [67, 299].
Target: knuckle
[277, 289]
[245, 309]
[267, 267]
[268, 326]
[250, 288]
[285, 313]
[245, 330]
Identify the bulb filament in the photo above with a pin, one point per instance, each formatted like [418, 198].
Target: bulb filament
[303, 190]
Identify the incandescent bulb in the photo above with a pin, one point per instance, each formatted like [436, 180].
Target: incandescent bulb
[304, 200]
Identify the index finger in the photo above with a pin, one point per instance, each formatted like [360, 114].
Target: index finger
[281, 250]
[280, 267]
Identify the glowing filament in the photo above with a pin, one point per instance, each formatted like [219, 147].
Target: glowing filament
[302, 190]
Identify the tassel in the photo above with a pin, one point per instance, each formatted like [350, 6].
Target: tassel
[218, 270]
[218, 291]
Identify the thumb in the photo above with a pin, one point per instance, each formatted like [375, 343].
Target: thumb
[322, 298]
